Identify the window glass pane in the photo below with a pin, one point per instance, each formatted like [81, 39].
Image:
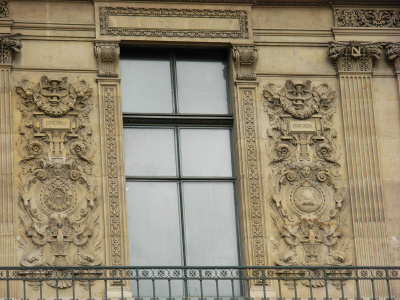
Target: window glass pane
[153, 224]
[149, 152]
[206, 152]
[146, 84]
[202, 86]
[209, 208]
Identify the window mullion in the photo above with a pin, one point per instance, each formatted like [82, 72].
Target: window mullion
[174, 81]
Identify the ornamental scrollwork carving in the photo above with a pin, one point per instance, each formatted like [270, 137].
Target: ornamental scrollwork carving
[245, 58]
[107, 54]
[307, 195]
[59, 220]
[382, 18]
[354, 56]
[9, 45]
[4, 9]
[393, 53]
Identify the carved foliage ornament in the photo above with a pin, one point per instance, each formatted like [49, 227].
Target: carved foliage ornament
[386, 18]
[307, 195]
[393, 53]
[4, 11]
[57, 203]
[354, 56]
[245, 58]
[107, 54]
[8, 46]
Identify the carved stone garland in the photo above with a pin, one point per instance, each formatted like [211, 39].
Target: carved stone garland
[58, 217]
[307, 195]
[382, 18]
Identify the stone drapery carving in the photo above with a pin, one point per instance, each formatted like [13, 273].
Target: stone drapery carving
[107, 54]
[354, 56]
[4, 11]
[59, 220]
[308, 198]
[239, 15]
[245, 58]
[393, 53]
[8, 46]
[384, 18]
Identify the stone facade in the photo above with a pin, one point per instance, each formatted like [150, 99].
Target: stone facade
[316, 103]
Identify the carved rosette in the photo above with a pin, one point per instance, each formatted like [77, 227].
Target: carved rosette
[245, 58]
[383, 18]
[307, 197]
[107, 54]
[57, 200]
[393, 53]
[354, 56]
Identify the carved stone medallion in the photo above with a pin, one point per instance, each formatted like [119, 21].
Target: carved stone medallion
[58, 204]
[307, 197]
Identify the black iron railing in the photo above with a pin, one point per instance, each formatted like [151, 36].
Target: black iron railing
[199, 283]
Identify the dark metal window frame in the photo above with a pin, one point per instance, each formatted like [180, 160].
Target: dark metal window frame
[180, 120]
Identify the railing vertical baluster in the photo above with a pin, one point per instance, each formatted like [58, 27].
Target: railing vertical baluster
[8, 284]
[295, 288]
[280, 289]
[185, 282]
[57, 288]
[154, 289]
[373, 288]
[90, 289]
[311, 289]
[24, 283]
[388, 284]
[169, 289]
[263, 282]
[105, 288]
[73, 284]
[137, 283]
[358, 288]
[248, 289]
[217, 287]
[233, 289]
[41, 289]
[326, 284]
[341, 289]
[122, 285]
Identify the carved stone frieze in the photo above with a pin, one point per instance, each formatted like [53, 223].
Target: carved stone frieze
[8, 46]
[384, 18]
[393, 53]
[354, 56]
[245, 58]
[4, 11]
[59, 220]
[107, 54]
[239, 15]
[308, 197]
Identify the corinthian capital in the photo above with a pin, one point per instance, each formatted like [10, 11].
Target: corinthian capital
[107, 54]
[354, 56]
[9, 44]
[393, 52]
[245, 58]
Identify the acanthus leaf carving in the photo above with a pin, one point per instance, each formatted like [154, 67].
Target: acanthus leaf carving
[245, 58]
[307, 196]
[58, 204]
[107, 54]
[393, 53]
[381, 18]
[354, 56]
[9, 45]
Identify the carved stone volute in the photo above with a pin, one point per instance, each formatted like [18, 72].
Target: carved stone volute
[245, 58]
[9, 45]
[393, 52]
[107, 54]
[354, 56]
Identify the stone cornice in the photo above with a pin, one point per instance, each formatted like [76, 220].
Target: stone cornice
[315, 3]
[354, 56]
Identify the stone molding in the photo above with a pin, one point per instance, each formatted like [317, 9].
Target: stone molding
[245, 58]
[393, 53]
[8, 46]
[354, 56]
[307, 203]
[382, 18]
[58, 205]
[107, 54]
[240, 15]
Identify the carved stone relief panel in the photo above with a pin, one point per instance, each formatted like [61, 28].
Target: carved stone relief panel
[58, 207]
[383, 18]
[307, 194]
